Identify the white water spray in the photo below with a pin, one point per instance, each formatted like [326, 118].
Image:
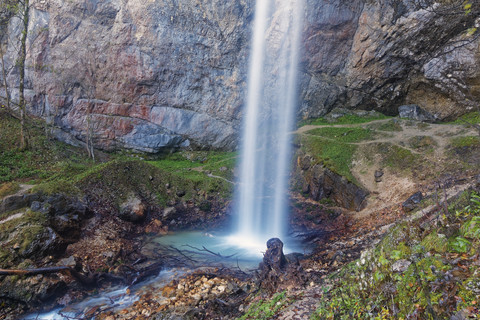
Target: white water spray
[271, 102]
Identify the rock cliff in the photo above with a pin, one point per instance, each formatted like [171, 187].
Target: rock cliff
[149, 75]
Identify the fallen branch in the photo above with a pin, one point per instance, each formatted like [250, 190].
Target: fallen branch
[88, 280]
[211, 252]
[32, 272]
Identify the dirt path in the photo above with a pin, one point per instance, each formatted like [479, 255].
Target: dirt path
[384, 208]
[430, 141]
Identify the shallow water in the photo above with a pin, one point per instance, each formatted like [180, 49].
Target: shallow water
[115, 299]
[207, 249]
[224, 249]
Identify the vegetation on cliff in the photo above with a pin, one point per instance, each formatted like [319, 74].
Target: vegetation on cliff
[422, 269]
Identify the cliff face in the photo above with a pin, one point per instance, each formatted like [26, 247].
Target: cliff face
[382, 54]
[152, 74]
[139, 74]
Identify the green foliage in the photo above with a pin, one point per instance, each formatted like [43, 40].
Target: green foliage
[346, 135]
[471, 228]
[8, 188]
[345, 119]
[43, 159]
[266, 309]
[371, 288]
[389, 126]
[459, 245]
[397, 157]
[336, 156]
[469, 118]
[465, 142]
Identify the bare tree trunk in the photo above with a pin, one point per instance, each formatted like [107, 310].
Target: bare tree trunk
[21, 64]
[5, 84]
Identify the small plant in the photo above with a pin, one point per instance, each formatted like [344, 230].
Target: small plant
[460, 245]
[266, 309]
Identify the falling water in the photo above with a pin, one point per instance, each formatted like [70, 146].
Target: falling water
[271, 102]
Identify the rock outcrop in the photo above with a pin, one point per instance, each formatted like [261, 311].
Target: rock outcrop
[150, 75]
[318, 182]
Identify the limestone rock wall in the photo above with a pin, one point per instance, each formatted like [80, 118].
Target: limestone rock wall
[142, 74]
[152, 74]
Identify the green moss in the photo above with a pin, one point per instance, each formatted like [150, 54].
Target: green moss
[345, 119]
[8, 188]
[336, 156]
[472, 117]
[20, 232]
[389, 126]
[422, 143]
[397, 157]
[346, 135]
[435, 242]
[266, 309]
[42, 157]
[462, 142]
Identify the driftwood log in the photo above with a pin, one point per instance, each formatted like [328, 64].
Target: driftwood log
[88, 280]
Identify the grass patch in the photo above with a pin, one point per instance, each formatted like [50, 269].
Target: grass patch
[345, 119]
[346, 135]
[336, 156]
[389, 126]
[472, 117]
[422, 143]
[8, 188]
[43, 157]
[397, 157]
[463, 142]
[196, 165]
[405, 274]
[266, 309]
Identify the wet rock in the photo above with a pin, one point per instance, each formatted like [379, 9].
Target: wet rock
[414, 112]
[66, 214]
[132, 210]
[412, 202]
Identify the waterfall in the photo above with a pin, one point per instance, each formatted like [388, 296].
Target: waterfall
[261, 195]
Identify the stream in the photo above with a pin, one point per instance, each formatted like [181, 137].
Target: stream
[202, 249]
